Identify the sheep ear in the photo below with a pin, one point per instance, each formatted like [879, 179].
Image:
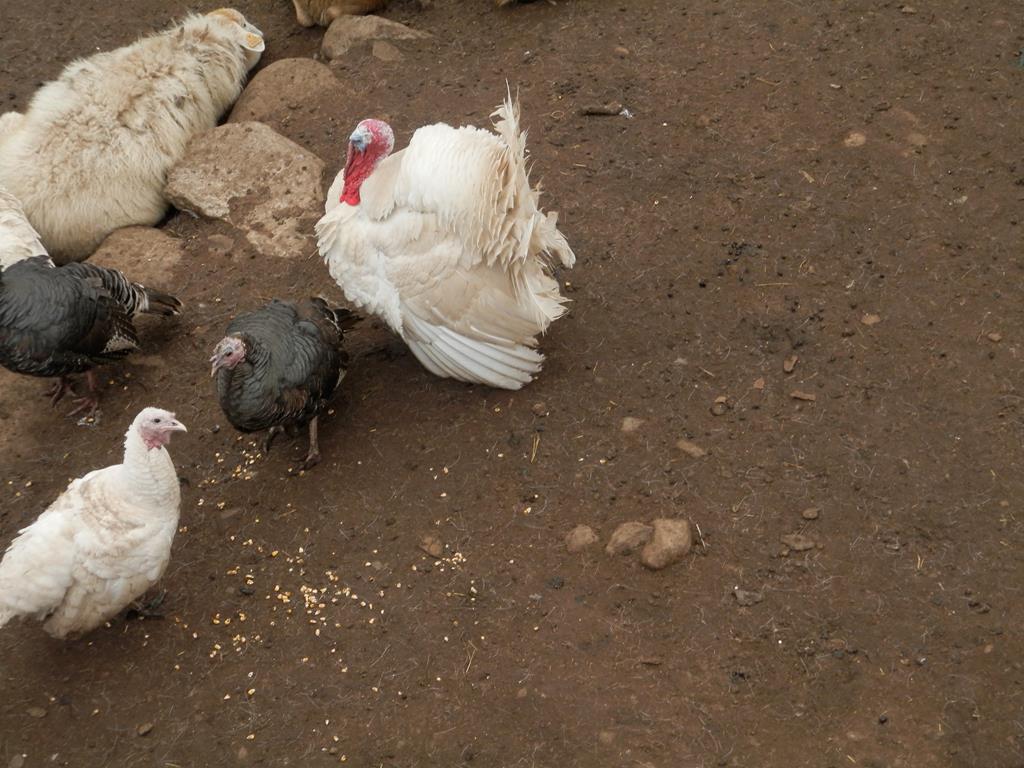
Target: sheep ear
[253, 42]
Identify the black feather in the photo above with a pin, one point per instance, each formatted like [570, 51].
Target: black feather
[294, 361]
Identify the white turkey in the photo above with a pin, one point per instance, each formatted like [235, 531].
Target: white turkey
[103, 542]
[445, 241]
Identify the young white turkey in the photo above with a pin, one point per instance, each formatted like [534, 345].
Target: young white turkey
[279, 365]
[103, 542]
[55, 321]
[92, 151]
[445, 241]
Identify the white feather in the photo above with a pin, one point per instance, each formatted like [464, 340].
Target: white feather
[101, 544]
[92, 151]
[18, 239]
[449, 247]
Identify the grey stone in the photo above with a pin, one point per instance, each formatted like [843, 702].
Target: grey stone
[348, 31]
[255, 179]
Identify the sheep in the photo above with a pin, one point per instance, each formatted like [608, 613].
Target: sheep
[92, 151]
[322, 12]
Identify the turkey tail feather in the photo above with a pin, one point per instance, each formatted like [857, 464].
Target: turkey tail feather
[134, 297]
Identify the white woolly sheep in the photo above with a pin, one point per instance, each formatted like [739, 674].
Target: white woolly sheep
[92, 151]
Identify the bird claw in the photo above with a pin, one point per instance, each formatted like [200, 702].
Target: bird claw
[60, 388]
[269, 440]
[87, 406]
[311, 460]
[148, 610]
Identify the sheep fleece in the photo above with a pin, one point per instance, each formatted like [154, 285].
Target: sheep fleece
[92, 151]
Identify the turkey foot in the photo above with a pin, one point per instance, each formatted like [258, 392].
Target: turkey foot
[148, 610]
[90, 403]
[313, 455]
[61, 387]
[271, 434]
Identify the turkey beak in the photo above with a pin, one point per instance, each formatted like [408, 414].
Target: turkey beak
[175, 426]
[216, 362]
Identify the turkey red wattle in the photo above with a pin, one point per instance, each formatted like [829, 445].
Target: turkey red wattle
[370, 143]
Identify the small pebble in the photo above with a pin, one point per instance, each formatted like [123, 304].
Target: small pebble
[18, 761]
[789, 364]
[811, 513]
[855, 139]
[621, 51]
[671, 541]
[539, 409]
[691, 449]
[432, 545]
[747, 598]
[606, 737]
[870, 319]
[797, 394]
[144, 729]
[631, 424]
[995, 337]
[797, 542]
[36, 712]
[628, 538]
[579, 538]
[883, 719]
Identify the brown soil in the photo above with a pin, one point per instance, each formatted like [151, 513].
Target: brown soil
[725, 229]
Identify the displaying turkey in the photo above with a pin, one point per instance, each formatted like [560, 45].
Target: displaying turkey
[103, 542]
[278, 366]
[444, 240]
[55, 321]
[18, 239]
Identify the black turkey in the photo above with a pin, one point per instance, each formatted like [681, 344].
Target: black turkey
[279, 365]
[55, 321]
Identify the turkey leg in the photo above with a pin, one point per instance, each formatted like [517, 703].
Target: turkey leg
[313, 456]
[60, 388]
[91, 401]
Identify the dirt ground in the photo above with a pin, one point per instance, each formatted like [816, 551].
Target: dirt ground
[840, 183]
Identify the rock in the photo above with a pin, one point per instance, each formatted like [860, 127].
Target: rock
[995, 337]
[539, 409]
[797, 394]
[145, 255]
[255, 179]
[432, 545]
[36, 712]
[721, 406]
[631, 424]
[220, 244]
[855, 139]
[385, 51]
[759, 383]
[747, 598]
[290, 96]
[691, 449]
[348, 31]
[789, 364]
[621, 51]
[144, 729]
[606, 737]
[797, 542]
[579, 538]
[671, 541]
[18, 761]
[628, 538]
[811, 513]
[870, 319]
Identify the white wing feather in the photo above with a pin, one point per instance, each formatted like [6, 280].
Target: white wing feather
[449, 247]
